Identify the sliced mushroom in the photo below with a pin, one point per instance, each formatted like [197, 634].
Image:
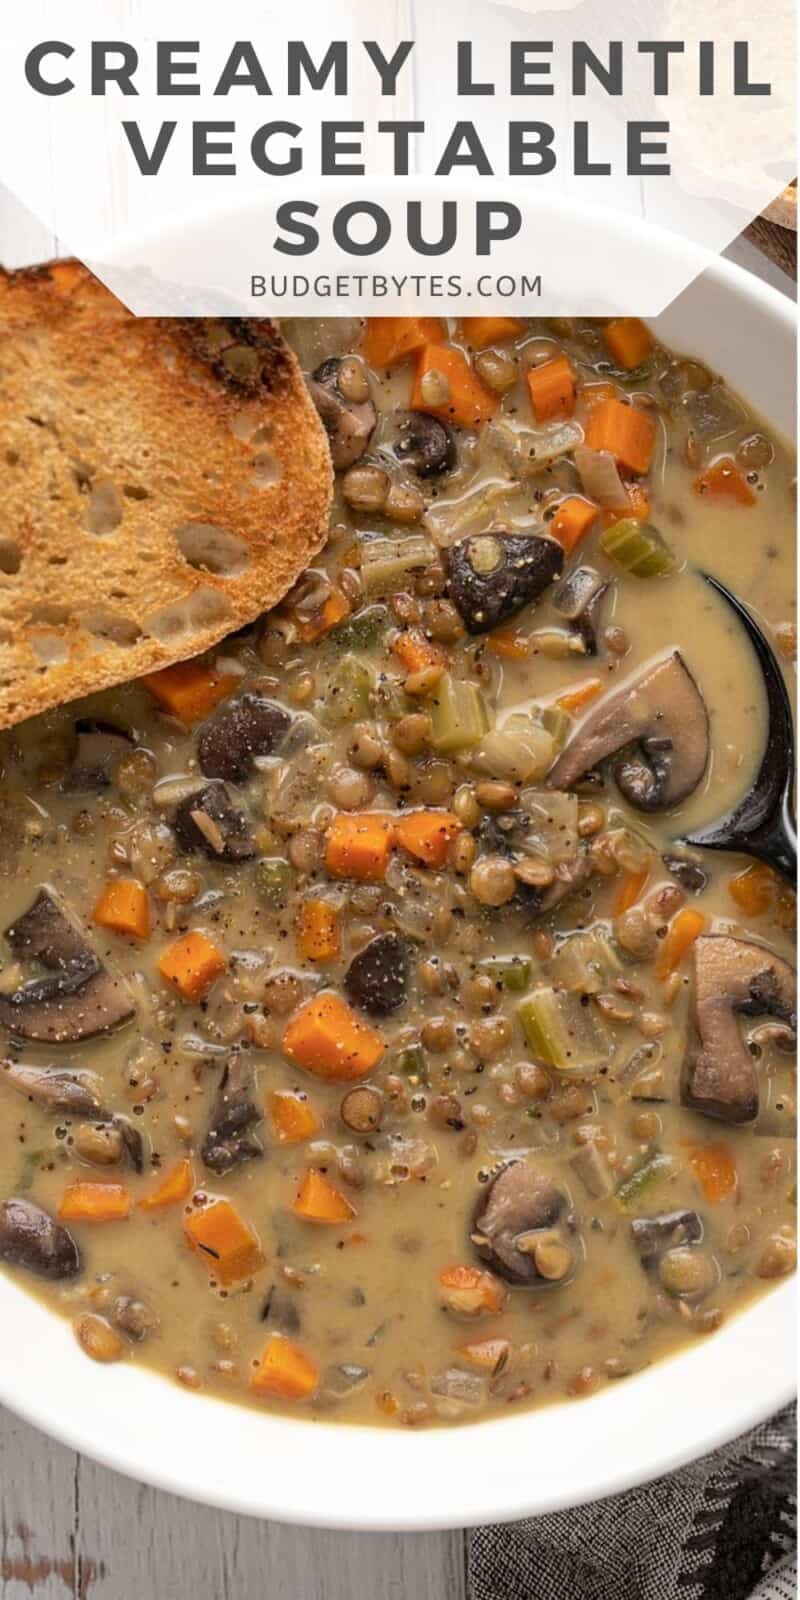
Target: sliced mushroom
[662, 712]
[239, 732]
[348, 424]
[56, 1089]
[73, 1094]
[80, 999]
[732, 977]
[690, 875]
[206, 820]
[519, 1208]
[491, 576]
[228, 1142]
[377, 978]
[653, 1236]
[31, 1238]
[99, 748]
[425, 444]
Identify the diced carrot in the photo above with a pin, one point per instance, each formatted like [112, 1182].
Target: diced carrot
[176, 1185]
[630, 890]
[124, 908]
[94, 1202]
[229, 1246]
[681, 934]
[724, 481]
[509, 644]
[469, 404]
[284, 1371]
[753, 889]
[191, 964]
[572, 521]
[715, 1170]
[485, 1354]
[552, 389]
[575, 699]
[415, 652]
[592, 394]
[427, 834]
[388, 340]
[317, 1200]
[481, 331]
[334, 610]
[317, 931]
[359, 846]
[626, 431]
[628, 341]
[471, 1291]
[189, 689]
[292, 1115]
[327, 1038]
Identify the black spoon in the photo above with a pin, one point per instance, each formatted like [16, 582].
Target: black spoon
[763, 824]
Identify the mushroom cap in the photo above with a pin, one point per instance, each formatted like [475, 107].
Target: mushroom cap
[214, 802]
[377, 978]
[240, 731]
[663, 713]
[348, 424]
[425, 444]
[31, 1238]
[731, 977]
[79, 999]
[520, 1199]
[491, 576]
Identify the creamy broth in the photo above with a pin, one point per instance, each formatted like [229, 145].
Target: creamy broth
[378, 1277]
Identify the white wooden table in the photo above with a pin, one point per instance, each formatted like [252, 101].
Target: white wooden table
[71, 1528]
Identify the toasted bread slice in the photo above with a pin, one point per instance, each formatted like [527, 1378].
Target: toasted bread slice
[163, 482]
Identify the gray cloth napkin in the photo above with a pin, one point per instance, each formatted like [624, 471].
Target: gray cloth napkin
[724, 1528]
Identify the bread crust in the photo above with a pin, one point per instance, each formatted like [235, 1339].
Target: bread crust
[164, 481]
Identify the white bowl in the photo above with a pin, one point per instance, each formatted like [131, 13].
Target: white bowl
[523, 1463]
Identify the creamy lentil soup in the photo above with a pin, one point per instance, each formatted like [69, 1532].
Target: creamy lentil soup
[373, 1045]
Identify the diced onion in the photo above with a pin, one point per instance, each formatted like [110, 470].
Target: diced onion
[600, 478]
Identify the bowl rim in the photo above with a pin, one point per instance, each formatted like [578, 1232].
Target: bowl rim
[136, 1422]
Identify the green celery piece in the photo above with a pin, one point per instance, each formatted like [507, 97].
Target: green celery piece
[512, 972]
[386, 563]
[630, 1190]
[413, 1063]
[458, 714]
[363, 631]
[563, 1033]
[274, 878]
[637, 548]
[557, 723]
[585, 962]
[349, 692]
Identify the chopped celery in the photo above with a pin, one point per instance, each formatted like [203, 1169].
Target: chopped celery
[363, 631]
[651, 1171]
[585, 962]
[349, 691]
[385, 563]
[637, 548]
[557, 723]
[563, 1033]
[458, 715]
[413, 1063]
[391, 700]
[274, 878]
[511, 972]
